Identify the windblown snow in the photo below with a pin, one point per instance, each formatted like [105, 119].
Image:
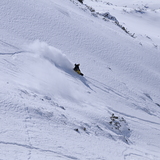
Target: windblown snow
[48, 111]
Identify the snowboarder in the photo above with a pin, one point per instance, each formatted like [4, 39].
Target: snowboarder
[76, 69]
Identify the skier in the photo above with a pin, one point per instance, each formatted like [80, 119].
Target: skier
[76, 69]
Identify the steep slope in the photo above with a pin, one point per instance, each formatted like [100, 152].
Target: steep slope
[48, 111]
[142, 14]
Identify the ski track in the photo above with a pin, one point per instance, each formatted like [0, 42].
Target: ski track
[30, 148]
[27, 120]
[9, 45]
[134, 100]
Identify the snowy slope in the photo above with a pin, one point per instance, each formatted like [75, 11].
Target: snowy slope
[140, 18]
[47, 111]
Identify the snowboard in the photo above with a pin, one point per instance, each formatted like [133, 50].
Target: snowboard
[79, 72]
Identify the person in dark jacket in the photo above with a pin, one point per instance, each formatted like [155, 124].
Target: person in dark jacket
[76, 69]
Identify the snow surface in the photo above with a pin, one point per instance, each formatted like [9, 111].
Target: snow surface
[47, 111]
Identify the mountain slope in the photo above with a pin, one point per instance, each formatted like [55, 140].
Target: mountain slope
[48, 111]
[142, 14]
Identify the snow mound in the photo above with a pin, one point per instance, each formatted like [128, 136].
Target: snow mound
[120, 127]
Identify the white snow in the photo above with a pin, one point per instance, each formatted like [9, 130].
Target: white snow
[47, 111]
